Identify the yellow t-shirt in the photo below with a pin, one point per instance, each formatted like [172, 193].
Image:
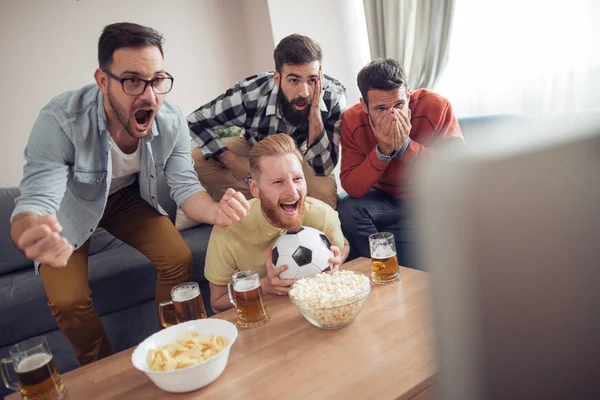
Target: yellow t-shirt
[244, 245]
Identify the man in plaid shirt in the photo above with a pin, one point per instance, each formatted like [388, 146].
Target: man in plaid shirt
[296, 99]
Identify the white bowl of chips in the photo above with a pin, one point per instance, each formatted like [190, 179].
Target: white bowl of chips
[186, 356]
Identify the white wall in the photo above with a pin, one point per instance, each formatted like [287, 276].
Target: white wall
[48, 47]
[340, 28]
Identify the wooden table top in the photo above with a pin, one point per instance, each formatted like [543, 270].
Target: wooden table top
[386, 353]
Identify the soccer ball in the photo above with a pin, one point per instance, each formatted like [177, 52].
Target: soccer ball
[305, 252]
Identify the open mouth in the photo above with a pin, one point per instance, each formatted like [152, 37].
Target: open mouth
[143, 117]
[300, 104]
[289, 208]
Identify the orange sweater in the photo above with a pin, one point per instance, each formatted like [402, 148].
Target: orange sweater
[431, 120]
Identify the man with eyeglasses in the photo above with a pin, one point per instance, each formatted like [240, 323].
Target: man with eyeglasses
[92, 160]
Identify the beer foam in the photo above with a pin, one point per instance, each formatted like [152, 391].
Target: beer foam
[185, 293]
[33, 362]
[246, 285]
[383, 253]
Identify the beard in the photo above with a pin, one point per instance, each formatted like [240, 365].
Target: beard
[278, 218]
[127, 122]
[295, 117]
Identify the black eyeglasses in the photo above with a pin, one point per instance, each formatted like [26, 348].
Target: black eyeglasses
[136, 86]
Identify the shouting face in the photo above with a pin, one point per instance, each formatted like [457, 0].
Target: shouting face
[281, 189]
[130, 104]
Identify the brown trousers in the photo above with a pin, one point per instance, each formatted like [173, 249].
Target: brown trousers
[128, 217]
[216, 177]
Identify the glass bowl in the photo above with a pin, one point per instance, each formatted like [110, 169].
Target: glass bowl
[334, 316]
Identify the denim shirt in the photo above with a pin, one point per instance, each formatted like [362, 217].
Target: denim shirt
[68, 167]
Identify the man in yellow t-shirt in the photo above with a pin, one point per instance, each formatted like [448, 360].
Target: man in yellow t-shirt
[280, 205]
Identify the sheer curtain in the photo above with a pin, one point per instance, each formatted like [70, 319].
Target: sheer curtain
[416, 33]
[528, 57]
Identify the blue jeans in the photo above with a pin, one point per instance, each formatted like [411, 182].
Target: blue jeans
[376, 212]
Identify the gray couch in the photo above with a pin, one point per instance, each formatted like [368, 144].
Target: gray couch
[121, 278]
[477, 128]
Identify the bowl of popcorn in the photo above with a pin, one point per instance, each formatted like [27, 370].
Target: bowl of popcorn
[186, 356]
[331, 300]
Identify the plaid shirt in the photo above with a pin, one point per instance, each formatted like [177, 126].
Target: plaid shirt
[252, 105]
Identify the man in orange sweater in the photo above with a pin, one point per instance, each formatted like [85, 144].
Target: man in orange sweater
[382, 137]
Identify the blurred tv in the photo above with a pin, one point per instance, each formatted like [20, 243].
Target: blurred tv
[509, 229]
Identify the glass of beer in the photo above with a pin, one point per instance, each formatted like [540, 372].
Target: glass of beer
[384, 260]
[246, 295]
[37, 376]
[187, 302]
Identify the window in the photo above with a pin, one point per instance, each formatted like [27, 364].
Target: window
[528, 57]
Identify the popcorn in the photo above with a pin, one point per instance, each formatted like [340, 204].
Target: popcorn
[330, 300]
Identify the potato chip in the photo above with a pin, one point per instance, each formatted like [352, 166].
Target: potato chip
[189, 351]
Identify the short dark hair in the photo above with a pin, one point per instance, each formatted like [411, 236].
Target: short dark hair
[125, 34]
[296, 50]
[381, 74]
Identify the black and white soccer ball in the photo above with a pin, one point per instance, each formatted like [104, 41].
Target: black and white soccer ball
[305, 252]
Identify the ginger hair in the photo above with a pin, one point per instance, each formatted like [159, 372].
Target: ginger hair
[275, 145]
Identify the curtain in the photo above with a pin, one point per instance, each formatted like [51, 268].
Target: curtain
[527, 57]
[416, 33]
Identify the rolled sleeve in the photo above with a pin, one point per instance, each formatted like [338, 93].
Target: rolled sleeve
[179, 168]
[48, 154]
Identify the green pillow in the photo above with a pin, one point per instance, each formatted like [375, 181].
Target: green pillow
[230, 131]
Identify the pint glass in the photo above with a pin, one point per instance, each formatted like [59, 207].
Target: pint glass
[37, 377]
[246, 295]
[187, 301]
[384, 260]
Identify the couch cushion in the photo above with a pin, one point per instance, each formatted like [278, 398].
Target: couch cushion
[119, 278]
[197, 240]
[183, 222]
[479, 127]
[164, 196]
[11, 259]
[23, 307]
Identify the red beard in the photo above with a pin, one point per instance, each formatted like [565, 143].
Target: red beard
[278, 218]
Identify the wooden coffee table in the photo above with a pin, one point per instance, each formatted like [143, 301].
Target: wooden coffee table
[386, 353]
